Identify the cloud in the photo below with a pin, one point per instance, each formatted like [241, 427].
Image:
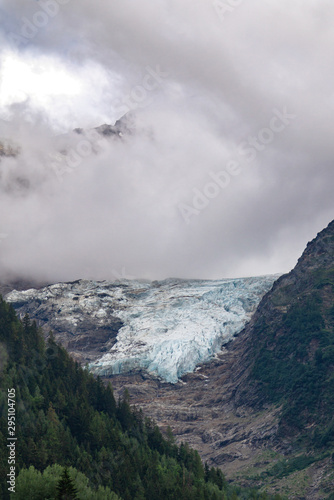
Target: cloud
[203, 89]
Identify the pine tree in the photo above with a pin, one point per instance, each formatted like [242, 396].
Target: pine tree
[66, 489]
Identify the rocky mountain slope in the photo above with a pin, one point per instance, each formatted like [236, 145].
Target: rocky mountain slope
[262, 409]
[292, 353]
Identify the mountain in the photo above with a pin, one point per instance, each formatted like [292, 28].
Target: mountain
[291, 344]
[262, 410]
[56, 156]
[67, 433]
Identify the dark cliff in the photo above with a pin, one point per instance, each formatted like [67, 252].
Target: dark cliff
[290, 345]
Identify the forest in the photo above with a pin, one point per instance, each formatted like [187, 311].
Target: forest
[293, 358]
[74, 440]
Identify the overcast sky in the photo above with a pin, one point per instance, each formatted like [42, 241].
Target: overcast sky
[227, 169]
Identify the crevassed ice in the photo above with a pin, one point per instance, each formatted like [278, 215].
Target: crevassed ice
[174, 325]
[169, 327]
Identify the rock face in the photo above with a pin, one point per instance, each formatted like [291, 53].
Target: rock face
[294, 322]
[7, 149]
[79, 328]
[10, 284]
[165, 327]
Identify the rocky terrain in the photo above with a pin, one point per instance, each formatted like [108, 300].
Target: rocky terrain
[202, 410]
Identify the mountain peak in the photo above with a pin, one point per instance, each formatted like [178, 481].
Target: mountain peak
[291, 344]
[319, 252]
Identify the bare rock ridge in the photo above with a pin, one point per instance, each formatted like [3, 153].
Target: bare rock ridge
[64, 142]
[8, 149]
[57, 155]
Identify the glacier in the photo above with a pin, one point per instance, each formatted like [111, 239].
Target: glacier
[169, 326]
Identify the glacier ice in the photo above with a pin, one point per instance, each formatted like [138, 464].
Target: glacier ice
[170, 326]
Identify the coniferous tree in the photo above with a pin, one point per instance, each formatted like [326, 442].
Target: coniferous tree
[66, 489]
